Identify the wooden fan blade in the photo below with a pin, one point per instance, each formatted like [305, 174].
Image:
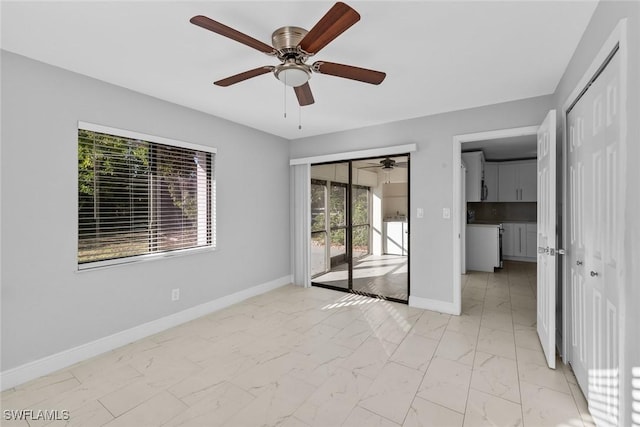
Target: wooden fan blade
[223, 30]
[305, 97]
[244, 76]
[335, 22]
[349, 72]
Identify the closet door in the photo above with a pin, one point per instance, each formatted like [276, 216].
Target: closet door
[594, 165]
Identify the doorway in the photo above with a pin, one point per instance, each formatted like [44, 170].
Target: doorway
[512, 151]
[360, 226]
[528, 181]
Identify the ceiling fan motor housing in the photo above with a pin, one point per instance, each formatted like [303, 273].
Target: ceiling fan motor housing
[286, 40]
[293, 71]
[387, 164]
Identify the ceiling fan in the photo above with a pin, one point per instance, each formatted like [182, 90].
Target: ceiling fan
[388, 164]
[293, 46]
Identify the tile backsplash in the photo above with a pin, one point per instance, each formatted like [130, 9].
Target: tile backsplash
[502, 211]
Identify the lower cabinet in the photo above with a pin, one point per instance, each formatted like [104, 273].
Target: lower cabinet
[507, 239]
[532, 241]
[519, 241]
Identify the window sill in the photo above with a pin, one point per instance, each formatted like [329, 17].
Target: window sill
[101, 265]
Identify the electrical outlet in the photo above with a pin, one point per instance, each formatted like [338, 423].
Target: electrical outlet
[420, 213]
[175, 294]
[446, 213]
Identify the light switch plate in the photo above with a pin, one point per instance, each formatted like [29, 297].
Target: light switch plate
[446, 213]
[419, 213]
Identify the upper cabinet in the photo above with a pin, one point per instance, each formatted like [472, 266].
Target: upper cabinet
[517, 181]
[508, 188]
[491, 182]
[474, 164]
[512, 181]
[528, 178]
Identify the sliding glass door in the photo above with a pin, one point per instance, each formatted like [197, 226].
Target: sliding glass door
[329, 231]
[349, 218]
[319, 235]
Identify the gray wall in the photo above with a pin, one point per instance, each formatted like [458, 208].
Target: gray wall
[605, 18]
[47, 306]
[431, 176]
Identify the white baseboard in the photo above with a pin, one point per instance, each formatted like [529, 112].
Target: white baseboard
[433, 305]
[46, 365]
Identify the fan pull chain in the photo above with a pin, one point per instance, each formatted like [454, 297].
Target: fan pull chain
[299, 117]
[285, 96]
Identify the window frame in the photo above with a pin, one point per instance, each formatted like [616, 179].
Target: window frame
[366, 224]
[93, 265]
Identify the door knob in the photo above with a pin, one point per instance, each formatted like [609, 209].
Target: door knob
[594, 274]
[578, 262]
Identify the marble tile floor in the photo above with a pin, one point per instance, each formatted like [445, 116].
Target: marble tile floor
[383, 275]
[316, 357]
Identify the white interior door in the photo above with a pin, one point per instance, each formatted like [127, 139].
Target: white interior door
[546, 280]
[594, 165]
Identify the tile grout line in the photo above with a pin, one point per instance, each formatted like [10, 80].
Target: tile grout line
[475, 352]
[433, 355]
[515, 347]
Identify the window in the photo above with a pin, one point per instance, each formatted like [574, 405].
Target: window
[360, 220]
[318, 227]
[141, 196]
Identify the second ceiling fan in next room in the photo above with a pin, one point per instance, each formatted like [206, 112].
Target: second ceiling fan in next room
[293, 46]
[387, 164]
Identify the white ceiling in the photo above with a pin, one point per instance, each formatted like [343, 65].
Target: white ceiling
[438, 55]
[516, 147]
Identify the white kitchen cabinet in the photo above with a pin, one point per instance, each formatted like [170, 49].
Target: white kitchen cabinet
[519, 241]
[507, 240]
[507, 185]
[532, 241]
[528, 180]
[474, 164]
[517, 181]
[491, 182]
[482, 249]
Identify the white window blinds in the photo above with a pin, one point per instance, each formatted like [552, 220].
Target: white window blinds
[139, 198]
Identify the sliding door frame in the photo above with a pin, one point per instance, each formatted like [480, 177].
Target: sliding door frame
[349, 226]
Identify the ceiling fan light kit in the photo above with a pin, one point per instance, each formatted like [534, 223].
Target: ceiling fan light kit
[293, 73]
[293, 46]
